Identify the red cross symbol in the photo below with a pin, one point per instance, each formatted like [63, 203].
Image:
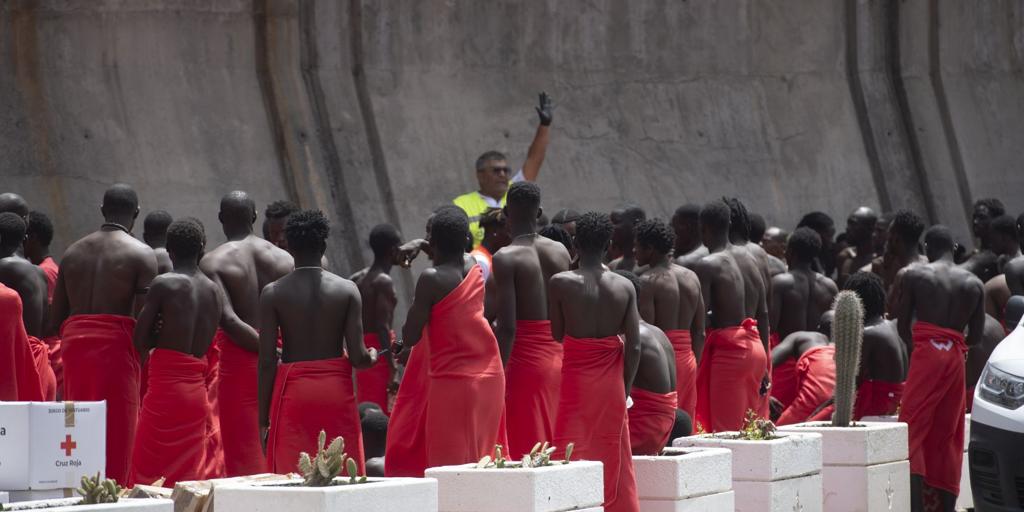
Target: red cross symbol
[67, 445]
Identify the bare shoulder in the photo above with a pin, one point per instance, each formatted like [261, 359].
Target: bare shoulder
[382, 281]
[825, 281]
[784, 279]
[358, 276]
[563, 279]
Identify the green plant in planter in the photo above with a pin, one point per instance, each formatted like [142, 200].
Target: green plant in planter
[848, 333]
[539, 456]
[328, 463]
[756, 428]
[96, 490]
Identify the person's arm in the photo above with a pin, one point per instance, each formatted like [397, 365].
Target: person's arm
[358, 354]
[267, 360]
[697, 328]
[539, 146]
[60, 308]
[1014, 276]
[503, 273]
[410, 250]
[384, 310]
[976, 325]
[779, 285]
[147, 272]
[143, 335]
[555, 309]
[645, 300]
[904, 308]
[419, 312]
[631, 347]
[784, 351]
[764, 325]
[243, 334]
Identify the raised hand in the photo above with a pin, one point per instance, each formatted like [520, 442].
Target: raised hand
[546, 109]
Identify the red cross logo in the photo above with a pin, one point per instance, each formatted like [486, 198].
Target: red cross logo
[67, 445]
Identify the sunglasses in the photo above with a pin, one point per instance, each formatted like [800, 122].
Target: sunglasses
[497, 170]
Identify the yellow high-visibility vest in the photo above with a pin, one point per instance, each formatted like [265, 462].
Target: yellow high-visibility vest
[474, 205]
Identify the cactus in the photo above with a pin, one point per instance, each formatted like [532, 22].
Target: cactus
[848, 334]
[328, 463]
[96, 490]
[539, 456]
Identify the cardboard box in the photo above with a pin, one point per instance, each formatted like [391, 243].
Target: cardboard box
[51, 445]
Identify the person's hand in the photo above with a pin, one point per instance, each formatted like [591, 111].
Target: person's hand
[409, 251]
[264, 433]
[401, 354]
[373, 355]
[546, 109]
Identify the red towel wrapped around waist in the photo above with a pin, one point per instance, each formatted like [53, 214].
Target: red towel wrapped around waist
[816, 380]
[532, 379]
[310, 396]
[100, 363]
[406, 447]
[592, 414]
[877, 398]
[729, 377]
[213, 465]
[47, 380]
[784, 385]
[933, 405]
[372, 383]
[19, 379]
[172, 437]
[686, 369]
[56, 363]
[650, 420]
[466, 398]
[238, 408]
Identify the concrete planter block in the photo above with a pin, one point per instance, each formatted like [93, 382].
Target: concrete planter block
[863, 445]
[557, 488]
[790, 456]
[800, 494]
[70, 505]
[392, 494]
[4, 497]
[708, 503]
[678, 473]
[867, 489]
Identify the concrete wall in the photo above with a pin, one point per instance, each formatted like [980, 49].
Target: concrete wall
[375, 111]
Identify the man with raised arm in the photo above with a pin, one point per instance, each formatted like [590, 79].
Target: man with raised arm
[593, 312]
[101, 278]
[242, 266]
[533, 358]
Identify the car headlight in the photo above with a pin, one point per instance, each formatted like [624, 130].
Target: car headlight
[1001, 388]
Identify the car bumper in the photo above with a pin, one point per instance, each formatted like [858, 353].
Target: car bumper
[996, 459]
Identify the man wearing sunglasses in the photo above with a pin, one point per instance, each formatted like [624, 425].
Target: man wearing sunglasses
[494, 175]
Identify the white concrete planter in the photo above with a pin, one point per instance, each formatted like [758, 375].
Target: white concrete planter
[691, 479]
[966, 498]
[69, 505]
[779, 475]
[865, 467]
[557, 488]
[391, 494]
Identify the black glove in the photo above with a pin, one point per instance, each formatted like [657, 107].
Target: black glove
[546, 110]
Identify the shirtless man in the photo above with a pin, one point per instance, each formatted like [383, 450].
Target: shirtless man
[937, 302]
[11, 202]
[241, 267]
[813, 356]
[1005, 243]
[984, 262]
[22, 276]
[739, 235]
[154, 233]
[274, 219]
[860, 225]
[102, 277]
[319, 316]
[977, 356]
[670, 299]
[822, 224]
[901, 249]
[686, 225]
[172, 425]
[801, 295]
[883, 356]
[624, 218]
[566, 219]
[1014, 270]
[38, 236]
[533, 358]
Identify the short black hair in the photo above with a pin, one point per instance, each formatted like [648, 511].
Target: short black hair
[557, 233]
[739, 218]
[280, 209]
[908, 226]
[655, 234]
[593, 231]
[565, 216]
[237, 206]
[492, 217]
[39, 227]
[631, 213]
[156, 223]
[383, 238]
[995, 207]
[482, 160]
[939, 238]
[365, 407]
[717, 216]
[12, 229]
[374, 426]
[632, 279]
[758, 226]
[868, 286]
[818, 221]
[805, 243]
[1006, 226]
[688, 212]
[185, 239]
[120, 199]
[449, 230]
[523, 194]
[197, 222]
[307, 230]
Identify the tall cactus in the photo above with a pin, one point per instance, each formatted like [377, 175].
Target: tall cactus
[848, 333]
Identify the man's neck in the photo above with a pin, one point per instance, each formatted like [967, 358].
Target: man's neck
[124, 222]
[236, 233]
[7, 252]
[186, 267]
[592, 261]
[453, 259]
[308, 260]
[801, 266]
[684, 248]
[382, 266]
[946, 258]
[660, 261]
[522, 228]
[720, 243]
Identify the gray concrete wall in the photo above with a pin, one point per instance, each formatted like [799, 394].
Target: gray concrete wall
[375, 111]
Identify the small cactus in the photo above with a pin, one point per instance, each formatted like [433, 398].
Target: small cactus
[848, 334]
[96, 490]
[328, 463]
[539, 456]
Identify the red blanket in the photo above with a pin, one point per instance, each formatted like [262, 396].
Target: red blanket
[592, 414]
[56, 363]
[238, 409]
[784, 384]
[465, 401]
[406, 444]
[650, 420]
[47, 380]
[729, 378]
[171, 441]
[877, 398]
[310, 396]
[532, 379]
[213, 464]
[51, 270]
[816, 380]
[933, 406]
[372, 383]
[686, 369]
[19, 379]
[100, 363]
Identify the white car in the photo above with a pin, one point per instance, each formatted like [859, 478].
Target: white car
[996, 450]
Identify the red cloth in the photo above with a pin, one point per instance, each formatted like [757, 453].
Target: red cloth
[100, 363]
[19, 379]
[56, 363]
[592, 414]
[406, 440]
[171, 440]
[877, 398]
[310, 396]
[784, 382]
[934, 404]
[47, 380]
[816, 380]
[970, 399]
[651, 420]
[372, 383]
[51, 270]
[686, 369]
[465, 400]
[213, 464]
[532, 379]
[238, 408]
[729, 377]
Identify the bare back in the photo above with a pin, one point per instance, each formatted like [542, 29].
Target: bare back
[379, 299]
[691, 258]
[883, 356]
[189, 307]
[1015, 275]
[30, 282]
[316, 311]
[670, 298]
[722, 286]
[590, 304]
[799, 297]
[657, 370]
[754, 288]
[243, 268]
[942, 294]
[102, 274]
[522, 269]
